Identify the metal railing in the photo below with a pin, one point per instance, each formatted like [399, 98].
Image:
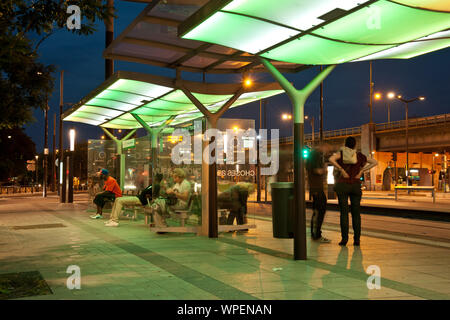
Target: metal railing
[31, 189]
[393, 125]
[414, 122]
[327, 134]
[20, 189]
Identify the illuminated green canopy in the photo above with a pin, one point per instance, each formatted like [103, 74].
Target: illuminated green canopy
[323, 31]
[155, 99]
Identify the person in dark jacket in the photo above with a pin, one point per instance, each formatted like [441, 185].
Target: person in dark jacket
[315, 165]
[144, 197]
[351, 165]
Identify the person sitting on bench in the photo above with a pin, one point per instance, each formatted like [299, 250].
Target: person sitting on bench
[177, 199]
[141, 199]
[235, 200]
[111, 191]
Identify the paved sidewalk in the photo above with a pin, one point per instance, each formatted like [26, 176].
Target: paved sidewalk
[130, 262]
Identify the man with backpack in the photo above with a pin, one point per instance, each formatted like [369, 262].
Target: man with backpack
[351, 165]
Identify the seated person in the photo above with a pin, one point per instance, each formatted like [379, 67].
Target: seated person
[138, 200]
[235, 200]
[177, 198]
[111, 191]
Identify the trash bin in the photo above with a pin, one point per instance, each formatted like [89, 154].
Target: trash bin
[283, 209]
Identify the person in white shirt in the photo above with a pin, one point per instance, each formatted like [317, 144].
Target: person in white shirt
[178, 197]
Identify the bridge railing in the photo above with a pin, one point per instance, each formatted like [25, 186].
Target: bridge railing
[414, 122]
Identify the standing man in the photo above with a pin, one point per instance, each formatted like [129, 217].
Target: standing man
[111, 191]
[351, 165]
[317, 173]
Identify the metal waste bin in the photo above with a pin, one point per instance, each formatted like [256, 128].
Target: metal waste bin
[283, 209]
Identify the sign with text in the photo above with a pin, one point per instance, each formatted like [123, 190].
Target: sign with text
[127, 144]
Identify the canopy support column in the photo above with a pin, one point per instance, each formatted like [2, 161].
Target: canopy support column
[120, 153]
[298, 99]
[154, 134]
[209, 172]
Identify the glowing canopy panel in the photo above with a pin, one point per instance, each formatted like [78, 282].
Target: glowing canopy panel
[155, 99]
[323, 31]
[152, 39]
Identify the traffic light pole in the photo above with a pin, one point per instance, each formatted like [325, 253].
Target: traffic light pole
[298, 99]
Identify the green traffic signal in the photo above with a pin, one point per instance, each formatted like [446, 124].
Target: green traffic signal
[305, 153]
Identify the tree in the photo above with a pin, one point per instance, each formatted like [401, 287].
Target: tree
[25, 83]
[16, 148]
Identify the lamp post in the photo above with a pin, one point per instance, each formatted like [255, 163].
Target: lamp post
[37, 157]
[311, 121]
[70, 164]
[406, 101]
[390, 96]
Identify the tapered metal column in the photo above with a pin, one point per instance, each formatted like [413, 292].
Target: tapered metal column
[64, 170]
[407, 144]
[44, 193]
[154, 135]
[70, 156]
[298, 99]
[213, 230]
[62, 187]
[109, 37]
[321, 109]
[209, 174]
[120, 153]
[54, 187]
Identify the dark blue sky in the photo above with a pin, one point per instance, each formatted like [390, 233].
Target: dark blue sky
[346, 90]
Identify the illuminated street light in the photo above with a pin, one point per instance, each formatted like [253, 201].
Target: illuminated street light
[406, 101]
[72, 139]
[103, 137]
[286, 116]
[390, 96]
[311, 121]
[36, 167]
[248, 82]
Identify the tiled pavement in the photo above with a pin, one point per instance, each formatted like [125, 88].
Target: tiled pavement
[130, 262]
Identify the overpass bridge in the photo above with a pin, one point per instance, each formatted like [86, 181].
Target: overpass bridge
[428, 147]
[426, 134]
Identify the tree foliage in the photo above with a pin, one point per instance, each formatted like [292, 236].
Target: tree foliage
[25, 83]
[16, 148]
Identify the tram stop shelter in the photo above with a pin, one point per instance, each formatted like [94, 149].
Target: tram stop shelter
[244, 36]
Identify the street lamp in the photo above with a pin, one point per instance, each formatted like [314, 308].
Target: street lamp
[36, 167]
[70, 164]
[286, 116]
[390, 96]
[311, 121]
[406, 101]
[248, 82]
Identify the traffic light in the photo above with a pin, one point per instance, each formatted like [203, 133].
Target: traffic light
[306, 152]
[394, 156]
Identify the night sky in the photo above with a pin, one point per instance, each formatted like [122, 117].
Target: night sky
[346, 90]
